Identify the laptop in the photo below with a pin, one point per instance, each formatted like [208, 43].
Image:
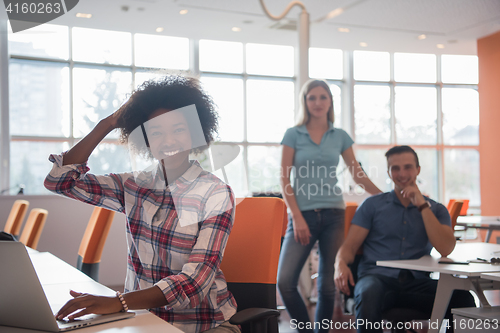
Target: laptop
[24, 302]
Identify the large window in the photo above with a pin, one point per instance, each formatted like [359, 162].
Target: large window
[62, 81]
[439, 118]
[55, 100]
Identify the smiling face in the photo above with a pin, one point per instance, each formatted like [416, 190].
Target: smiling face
[318, 102]
[169, 138]
[402, 169]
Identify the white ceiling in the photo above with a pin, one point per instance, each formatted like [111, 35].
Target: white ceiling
[385, 25]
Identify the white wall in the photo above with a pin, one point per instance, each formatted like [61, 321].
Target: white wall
[64, 230]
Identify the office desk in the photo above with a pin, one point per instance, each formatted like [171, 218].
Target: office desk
[476, 320]
[489, 223]
[448, 281]
[57, 277]
[491, 276]
[143, 322]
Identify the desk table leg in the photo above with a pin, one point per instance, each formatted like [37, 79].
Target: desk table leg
[488, 236]
[476, 283]
[446, 285]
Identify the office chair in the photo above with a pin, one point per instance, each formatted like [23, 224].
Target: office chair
[450, 203]
[250, 262]
[465, 207]
[89, 254]
[16, 217]
[350, 210]
[33, 228]
[454, 210]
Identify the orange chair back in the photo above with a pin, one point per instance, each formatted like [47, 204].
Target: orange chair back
[253, 248]
[33, 228]
[95, 235]
[450, 204]
[350, 210]
[465, 207]
[456, 207]
[16, 217]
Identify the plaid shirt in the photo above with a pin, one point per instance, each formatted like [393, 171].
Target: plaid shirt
[182, 260]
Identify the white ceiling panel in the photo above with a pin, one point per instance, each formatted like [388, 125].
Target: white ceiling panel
[390, 25]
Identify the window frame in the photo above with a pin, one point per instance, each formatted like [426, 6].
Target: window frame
[346, 85]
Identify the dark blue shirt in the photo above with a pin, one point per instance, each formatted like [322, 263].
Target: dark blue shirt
[396, 232]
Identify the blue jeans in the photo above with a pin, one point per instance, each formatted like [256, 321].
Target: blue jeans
[326, 227]
[374, 294]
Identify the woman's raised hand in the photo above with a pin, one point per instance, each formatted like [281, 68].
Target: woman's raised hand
[113, 120]
[80, 153]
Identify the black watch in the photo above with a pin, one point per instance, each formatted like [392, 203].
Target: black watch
[423, 206]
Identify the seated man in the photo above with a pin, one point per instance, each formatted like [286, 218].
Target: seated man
[401, 224]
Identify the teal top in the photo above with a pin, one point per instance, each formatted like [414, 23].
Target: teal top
[314, 173]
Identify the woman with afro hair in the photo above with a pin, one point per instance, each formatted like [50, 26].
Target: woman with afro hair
[178, 216]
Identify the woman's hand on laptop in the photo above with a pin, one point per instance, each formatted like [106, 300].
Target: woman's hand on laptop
[83, 304]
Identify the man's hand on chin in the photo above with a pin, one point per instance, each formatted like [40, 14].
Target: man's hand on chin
[412, 192]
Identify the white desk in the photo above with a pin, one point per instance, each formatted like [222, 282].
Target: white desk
[57, 277]
[489, 223]
[143, 322]
[476, 320]
[491, 276]
[448, 280]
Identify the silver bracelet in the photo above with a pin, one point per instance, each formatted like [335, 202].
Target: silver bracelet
[122, 300]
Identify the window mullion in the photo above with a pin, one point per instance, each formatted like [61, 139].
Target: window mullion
[440, 139]
[4, 108]
[71, 89]
[348, 95]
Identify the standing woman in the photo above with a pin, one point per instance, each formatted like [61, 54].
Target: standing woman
[312, 149]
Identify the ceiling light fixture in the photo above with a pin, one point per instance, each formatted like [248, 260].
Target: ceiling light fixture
[183, 12]
[440, 46]
[83, 15]
[363, 44]
[421, 37]
[334, 13]
[343, 29]
[159, 29]
[236, 29]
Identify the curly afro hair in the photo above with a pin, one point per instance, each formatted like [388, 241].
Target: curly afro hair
[170, 92]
